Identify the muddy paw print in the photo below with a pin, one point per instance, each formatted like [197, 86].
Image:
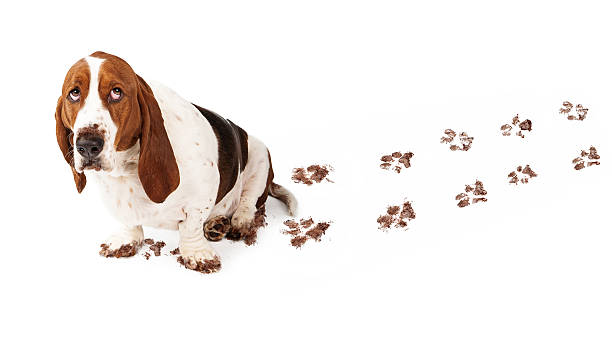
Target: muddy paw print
[395, 161]
[396, 215]
[517, 127]
[580, 111]
[311, 174]
[154, 247]
[526, 174]
[461, 142]
[586, 159]
[477, 191]
[305, 230]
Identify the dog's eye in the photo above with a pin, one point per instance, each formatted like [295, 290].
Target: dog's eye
[74, 95]
[115, 94]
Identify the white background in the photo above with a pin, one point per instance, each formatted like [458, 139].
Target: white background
[339, 83]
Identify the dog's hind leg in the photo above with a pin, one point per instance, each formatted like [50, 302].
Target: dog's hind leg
[256, 179]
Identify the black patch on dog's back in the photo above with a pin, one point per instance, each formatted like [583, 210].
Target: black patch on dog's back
[233, 150]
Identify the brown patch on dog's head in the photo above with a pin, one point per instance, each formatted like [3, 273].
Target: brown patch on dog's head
[66, 111]
[136, 115]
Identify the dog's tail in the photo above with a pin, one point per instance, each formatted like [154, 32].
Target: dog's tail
[279, 192]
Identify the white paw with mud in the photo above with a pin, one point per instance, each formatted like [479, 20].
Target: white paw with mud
[243, 217]
[125, 237]
[197, 259]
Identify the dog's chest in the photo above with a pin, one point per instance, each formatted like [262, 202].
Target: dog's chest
[126, 199]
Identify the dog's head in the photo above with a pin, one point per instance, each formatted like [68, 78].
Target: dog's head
[108, 121]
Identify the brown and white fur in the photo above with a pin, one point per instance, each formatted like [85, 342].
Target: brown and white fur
[165, 162]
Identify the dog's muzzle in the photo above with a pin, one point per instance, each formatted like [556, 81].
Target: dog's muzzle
[89, 145]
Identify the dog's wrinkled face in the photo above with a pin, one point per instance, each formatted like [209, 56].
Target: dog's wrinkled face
[99, 97]
[108, 121]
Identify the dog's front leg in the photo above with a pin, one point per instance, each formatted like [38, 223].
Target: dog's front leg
[196, 252]
[124, 243]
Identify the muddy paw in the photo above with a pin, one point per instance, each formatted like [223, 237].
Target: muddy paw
[216, 228]
[125, 250]
[200, 264]
[244, 226]
[234, 234]
[242, 221]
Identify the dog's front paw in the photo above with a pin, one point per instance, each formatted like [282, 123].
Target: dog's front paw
[123, 244]
[201, 264]
[205, 261]
[125, 250]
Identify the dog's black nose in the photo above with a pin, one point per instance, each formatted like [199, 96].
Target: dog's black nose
[89, 146]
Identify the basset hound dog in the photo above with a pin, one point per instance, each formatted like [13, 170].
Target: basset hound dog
[161, 161]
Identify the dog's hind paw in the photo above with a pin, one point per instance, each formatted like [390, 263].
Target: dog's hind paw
[216, 228]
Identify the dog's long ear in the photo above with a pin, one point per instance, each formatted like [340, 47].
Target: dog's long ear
[64, 136]
[157, 167]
